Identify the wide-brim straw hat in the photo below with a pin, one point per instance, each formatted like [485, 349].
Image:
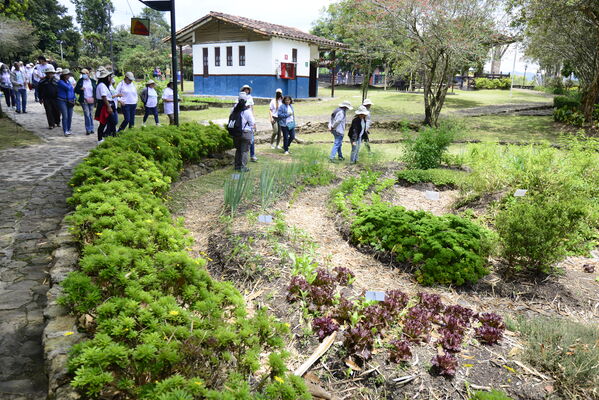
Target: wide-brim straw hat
[367, 102]
[130, 76]
[65, 71]
[362, 111]
[102, 72]
[245, 87]
[85, 71]
[149, 82]
[59, 70]
[346, 104]
[49, 69]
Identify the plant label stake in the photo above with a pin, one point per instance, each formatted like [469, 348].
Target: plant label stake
[520, 192]
[431, 195]
[376, 296]
[235, 176]
[267, 219]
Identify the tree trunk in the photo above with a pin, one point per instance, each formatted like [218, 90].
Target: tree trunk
[366, 81]
[589, 97]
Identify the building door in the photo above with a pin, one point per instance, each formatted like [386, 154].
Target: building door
[313, 84]
[205, 61]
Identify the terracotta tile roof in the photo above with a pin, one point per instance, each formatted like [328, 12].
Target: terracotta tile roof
[265, 28]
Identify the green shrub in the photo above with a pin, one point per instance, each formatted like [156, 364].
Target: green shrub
[425, 149]
[492, 395]
[534, 231]
[448, 250]
[568, 116]
[486, 83]
[162, 327]
[570, 102]
[567, 350]
[441, 178]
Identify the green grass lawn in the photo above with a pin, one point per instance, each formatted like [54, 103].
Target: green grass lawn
[12, 135]
[493, 128]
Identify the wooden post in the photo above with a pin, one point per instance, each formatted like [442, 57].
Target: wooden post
[181, 64]
[333, 73]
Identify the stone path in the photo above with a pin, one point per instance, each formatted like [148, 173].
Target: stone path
[33, 190]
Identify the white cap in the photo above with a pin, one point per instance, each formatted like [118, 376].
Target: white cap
[346, 104]
[130, 76]
[58, 70]
[150, 82]
[243, 96]
[49, 68]
[362, 111]
[279, 90]
[367, 102]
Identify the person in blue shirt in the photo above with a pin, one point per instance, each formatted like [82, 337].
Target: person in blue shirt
[286, 116]
[66, 101]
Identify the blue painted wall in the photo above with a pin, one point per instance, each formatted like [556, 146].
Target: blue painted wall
[262, 86]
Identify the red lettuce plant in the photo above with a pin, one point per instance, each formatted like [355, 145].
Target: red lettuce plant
[298, 287]
[431, 302]
[462, 314]
[324, 278]
[400, 351]
[358, 341]
[417, 324]
[321, 295]
[450, 340]
[324, 326]
[445, 364]
[344, 310]
[491, 330]
[343, 276]
[395, 301]
[376, 316]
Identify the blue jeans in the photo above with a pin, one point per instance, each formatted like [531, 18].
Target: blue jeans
[154, 112]
[128, 116]
[252, 147]
[66, 111]
[355, 151]
[288, 136]
[337, 147]
[21, 99]
[88, 114]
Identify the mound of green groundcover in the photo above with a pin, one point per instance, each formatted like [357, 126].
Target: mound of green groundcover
[449, 250]
[161, 328]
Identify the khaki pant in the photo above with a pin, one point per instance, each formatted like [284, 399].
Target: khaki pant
[242, 148]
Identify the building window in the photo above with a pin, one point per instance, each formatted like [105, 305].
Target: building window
[205, 60]
[294, 55]
[217, 56]
[241, 56]
[229, 56]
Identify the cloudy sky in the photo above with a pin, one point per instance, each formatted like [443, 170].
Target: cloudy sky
[300, 14]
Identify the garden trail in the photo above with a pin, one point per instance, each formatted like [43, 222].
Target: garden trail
[33, 190]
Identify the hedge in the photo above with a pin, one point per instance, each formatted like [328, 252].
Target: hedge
[161, 327]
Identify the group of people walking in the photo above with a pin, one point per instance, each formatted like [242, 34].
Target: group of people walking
[242, 126]
[58, 91]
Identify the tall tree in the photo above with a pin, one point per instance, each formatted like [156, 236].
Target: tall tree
[16, 38]
[438, 37]
[14, 8]
[94, 18]
[561, 32]
[54, 28]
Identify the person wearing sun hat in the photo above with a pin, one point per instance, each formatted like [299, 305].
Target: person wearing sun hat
[106, 112]
[149, 97]
[66, 100]
[358, 132]
[85, 88]
[367, 103]
[337, 127]
[47, 93]
[128, 99]
[273, 110]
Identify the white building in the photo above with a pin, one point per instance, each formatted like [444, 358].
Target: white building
[231, 51]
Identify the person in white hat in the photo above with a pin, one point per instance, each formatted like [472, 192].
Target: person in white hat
[127, 92]
[358, 132]
[57, 74]
[18, 78]
[85, 88]
[241, 125]
[273, 110]
[106, 112]
[337, 127]
[47, 93]
[168, 101]
[367, 103]
[149, 97]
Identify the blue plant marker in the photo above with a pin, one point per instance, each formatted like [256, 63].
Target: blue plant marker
[267, 219]
[376, 296]
[520, 192]
[235, 176]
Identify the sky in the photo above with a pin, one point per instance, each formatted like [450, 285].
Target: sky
[299, 14]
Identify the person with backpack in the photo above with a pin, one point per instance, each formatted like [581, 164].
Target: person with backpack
[85, 88]
[240, 126]
[273, 113]
[149, 97]
[358, 132]
[337, 127]
[286, 116]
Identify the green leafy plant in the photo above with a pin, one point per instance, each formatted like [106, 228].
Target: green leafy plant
[237, 188]
[425, 149]
[492, 395]
[441, 178]
[486, 83]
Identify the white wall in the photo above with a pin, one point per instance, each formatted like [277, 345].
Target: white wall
[257, 59]
[282, 47]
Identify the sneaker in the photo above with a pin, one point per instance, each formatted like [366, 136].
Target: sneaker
[159, 124]
[272, 146]
[51, 127]
[143, 124]
[332, 160]
[100, 141]
[24, 112]
[277, 147]
[286, 152]
[18, 111]
[254, 159]
[341, 159]
[67, 133]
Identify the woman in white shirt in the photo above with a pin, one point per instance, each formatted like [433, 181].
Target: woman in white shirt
[128, 91]
[149, 97]
[274, 119]
[168, 102]
[85, 88]
[106, 109]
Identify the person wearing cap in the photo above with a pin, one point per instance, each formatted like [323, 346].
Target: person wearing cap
[287, 121]
[168, 101]
[242, 142]
[48, 92]
[6, 86]
[85, 88]
[274, 120]
[358, 132]
[127, 91]
[57, 74]
[337, 127]
[367, 103]
[18, 79]
[149, 97]
[105, 107]
[66, 100]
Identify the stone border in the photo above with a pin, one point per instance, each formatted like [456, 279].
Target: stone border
[60, 332]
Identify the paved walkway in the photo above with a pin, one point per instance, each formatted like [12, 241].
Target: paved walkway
[33, 190]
